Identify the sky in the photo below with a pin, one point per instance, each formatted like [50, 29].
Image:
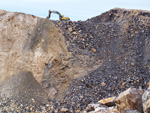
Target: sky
[74, 9]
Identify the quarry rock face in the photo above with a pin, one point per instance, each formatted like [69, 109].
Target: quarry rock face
[81, 62]
[27, 43]
[34, 44]
[14, 30]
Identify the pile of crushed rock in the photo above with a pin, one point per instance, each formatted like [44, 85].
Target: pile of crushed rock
[109, 54]
[120, 40]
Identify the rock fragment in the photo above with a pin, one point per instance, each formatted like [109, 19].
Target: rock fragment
[103, 84]
[92, 107]
[70, 29]
[64, 110]
[108, 101]
[94, 50]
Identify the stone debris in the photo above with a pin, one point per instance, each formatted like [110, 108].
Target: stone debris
[64, 110]
[103, 84]
[8, 105]
[24, 88]
[76, 63]
[22, 93]
[131, 100]
[120, 39]
[94, 50]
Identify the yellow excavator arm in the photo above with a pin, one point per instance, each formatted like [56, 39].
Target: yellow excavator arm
[61, 17]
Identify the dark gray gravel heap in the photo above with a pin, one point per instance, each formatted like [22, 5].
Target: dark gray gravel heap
[23, 87]
[22, 93]
[121, 39]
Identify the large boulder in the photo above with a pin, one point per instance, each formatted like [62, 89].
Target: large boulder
[129, 99]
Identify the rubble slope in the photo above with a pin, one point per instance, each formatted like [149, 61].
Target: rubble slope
[120, 40]
[78, 62]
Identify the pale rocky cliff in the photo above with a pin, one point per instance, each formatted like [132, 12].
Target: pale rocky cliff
[27, 43]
